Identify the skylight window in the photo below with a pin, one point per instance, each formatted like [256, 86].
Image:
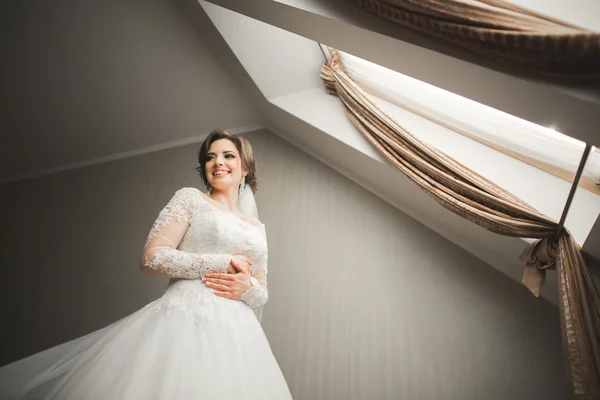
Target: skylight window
[542, 147]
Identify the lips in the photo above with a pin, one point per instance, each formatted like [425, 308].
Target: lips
[220, 173]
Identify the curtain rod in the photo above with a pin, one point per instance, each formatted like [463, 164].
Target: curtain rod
[584, 156]
[321, 48]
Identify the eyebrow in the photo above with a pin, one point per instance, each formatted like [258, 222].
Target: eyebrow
[211, 153]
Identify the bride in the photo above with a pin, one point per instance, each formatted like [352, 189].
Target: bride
[202, 339]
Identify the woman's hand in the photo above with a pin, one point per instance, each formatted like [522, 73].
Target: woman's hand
[230, 286]
[240, 263]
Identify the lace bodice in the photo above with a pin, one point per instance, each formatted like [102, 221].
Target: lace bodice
[213, 231]
[192, 237]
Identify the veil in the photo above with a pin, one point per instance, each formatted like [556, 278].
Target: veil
[247, 203]
[247, 206]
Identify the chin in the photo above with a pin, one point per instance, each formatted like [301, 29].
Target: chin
[222, 186]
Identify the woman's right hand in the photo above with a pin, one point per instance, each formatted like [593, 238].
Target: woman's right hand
[238, 264]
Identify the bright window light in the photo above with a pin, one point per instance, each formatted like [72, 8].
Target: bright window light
[543, 147]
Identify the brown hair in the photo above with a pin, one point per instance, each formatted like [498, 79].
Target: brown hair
[243, 147]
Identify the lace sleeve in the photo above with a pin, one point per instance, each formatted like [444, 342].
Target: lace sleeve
[160, 252]
[257, 296]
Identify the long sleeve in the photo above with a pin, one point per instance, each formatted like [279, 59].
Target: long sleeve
[258, 295]
[160, 252]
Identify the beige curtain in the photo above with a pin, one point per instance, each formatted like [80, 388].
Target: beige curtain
[475, 198]
[502, 32]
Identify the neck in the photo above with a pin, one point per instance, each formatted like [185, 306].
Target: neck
[227, 198]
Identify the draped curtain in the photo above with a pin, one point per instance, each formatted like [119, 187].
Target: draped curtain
[475, 198]
[502, 32]
[539, 146]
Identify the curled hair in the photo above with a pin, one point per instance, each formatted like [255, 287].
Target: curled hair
[243, 147]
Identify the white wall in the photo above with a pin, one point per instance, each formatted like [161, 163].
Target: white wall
[276, 60]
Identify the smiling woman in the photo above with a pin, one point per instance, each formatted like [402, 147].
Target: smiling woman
[202, 338]
[232, 151]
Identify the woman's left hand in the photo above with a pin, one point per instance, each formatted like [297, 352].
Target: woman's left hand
[231, 286]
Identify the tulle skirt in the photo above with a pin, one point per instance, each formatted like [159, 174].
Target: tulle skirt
[189, 344]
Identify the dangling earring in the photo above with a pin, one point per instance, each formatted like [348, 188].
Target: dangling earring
[209, 190]
[242, 184]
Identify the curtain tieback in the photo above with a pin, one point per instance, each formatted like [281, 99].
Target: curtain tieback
[538, 257]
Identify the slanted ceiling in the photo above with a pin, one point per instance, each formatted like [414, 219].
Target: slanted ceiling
[295, 108]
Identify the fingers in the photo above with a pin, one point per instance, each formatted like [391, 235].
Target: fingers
[231, 270]
[228, 284]
[228, 277]
[245, 268]
[221, 284]
[220, 281]
[246, 259]
[220, 287]
[238, 267]
[227, 295]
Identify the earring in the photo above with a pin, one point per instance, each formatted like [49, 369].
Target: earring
[209, 190]
[242, 184]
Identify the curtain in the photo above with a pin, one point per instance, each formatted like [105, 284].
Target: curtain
[477, 199]
[501, 32]
[537, 145]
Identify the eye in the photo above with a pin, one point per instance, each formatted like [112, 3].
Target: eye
[230, 156]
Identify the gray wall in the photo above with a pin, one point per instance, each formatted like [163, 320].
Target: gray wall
[364, 303]
[87, 79]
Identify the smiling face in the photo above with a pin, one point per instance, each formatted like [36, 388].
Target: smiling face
[223, 166]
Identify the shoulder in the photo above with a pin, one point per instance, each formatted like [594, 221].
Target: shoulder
[197, 198]
[187, 191]
[191, 192]
[189, 196]
[202, 197]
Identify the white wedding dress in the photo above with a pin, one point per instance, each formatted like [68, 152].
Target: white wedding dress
[188, 344]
